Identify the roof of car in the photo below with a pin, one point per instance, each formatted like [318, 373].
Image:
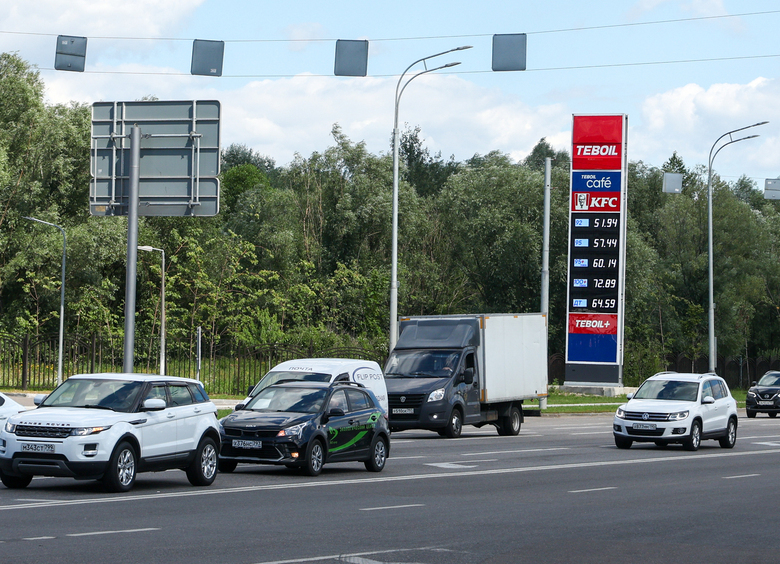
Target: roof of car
[682, 376]
[307, 384]
[134, 377]
[333, 366]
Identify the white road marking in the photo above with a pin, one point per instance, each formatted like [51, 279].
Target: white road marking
[769, 443]
[38, 538]
[408, 457]
[392, 507]
[594, 433]
[742, 476]
[450, 465]
[93, 533]
[343, 556]
[513, 451]
[352, 482]
[593, 490]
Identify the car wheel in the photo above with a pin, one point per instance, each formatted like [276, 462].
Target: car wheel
[510, 425]
[203, 469]
[751, 413]
[378, 456]
[455, 424]
[693, 440]
[315, 458]
[772, 414]
[622, 442]
[730, 438]
[15, 482]
[120, 475]
[227, 466]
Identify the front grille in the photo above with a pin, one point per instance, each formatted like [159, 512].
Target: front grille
[644, 433]
[639, 416]
[250, 433]
[409, 400]
[42, 432]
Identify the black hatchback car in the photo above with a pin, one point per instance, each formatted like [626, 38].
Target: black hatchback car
[305, 425]
[764, 395]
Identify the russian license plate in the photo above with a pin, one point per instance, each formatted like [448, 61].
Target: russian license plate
[403, 410]
[644, 426]
[238, 443]
[37, 447]
[766, 403]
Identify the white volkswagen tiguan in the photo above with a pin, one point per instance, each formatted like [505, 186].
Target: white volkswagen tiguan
[109, 427]
[678, 408]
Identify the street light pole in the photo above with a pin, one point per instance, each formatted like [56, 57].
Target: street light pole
[162, 305]
[62, 295]
[712, 347]
[399, 90]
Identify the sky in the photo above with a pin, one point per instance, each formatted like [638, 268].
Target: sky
[684, 71]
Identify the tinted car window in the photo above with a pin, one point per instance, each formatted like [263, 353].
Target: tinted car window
[180, 395]
[717, 389]
[358, 400]
[338, 401]
[706, 390]
[198, 393]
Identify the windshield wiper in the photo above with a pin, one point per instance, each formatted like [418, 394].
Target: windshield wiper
[96, 406]
[423, 374]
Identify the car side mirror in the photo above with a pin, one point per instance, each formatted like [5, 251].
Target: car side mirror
[468, 376]
[239, 407]
[153, 404]
[629, 396]
[708, 399]
[754, 383]
[335, 412]
[38, 399]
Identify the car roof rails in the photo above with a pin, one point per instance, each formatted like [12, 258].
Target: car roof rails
[346, 383]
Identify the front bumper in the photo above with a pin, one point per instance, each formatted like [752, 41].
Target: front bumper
[272, 451]
[667, 431]
[417, 413]
[72, 457]
[762, 406]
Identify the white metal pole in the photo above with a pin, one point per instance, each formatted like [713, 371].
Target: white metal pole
[546, 239]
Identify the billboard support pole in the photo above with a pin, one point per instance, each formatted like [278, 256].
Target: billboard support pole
[132, 247]
[546, 239]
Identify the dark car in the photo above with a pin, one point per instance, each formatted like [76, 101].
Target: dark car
[764, 396]
[305, 425]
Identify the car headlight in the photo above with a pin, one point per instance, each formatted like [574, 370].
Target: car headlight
[620, 413]
[436, 395]
[679, 416]
[294, 432]
[84, 431]
[10, 427]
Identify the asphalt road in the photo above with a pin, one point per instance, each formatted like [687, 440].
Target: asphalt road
[559, 492]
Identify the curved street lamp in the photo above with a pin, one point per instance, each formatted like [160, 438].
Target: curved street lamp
[712, 348]
[62, 294]
[399, 90]
[162, 305]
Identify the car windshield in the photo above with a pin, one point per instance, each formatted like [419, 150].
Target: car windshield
[422, 364]
[770, 379]
[116, 395]
[290, 375]
[298, 400]
[673, 390]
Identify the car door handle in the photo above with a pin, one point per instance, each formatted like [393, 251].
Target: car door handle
[170, 415]
[354, 421]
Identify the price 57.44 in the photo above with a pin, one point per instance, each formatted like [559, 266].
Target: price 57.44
[605, 243]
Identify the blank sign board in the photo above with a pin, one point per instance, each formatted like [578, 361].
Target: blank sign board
[179, 157]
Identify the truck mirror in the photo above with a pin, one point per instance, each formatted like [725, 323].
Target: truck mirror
[468, 376]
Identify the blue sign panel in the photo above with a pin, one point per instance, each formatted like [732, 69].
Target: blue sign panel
[595, 181]
[592, 348]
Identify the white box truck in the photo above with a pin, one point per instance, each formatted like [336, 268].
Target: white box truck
[447, 371]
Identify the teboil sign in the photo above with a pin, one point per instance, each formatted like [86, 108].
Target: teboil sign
[597, 250]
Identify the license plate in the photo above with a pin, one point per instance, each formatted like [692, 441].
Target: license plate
[645, 426]
[37, 447]
[403, 410]
[766, 403]
[237, 443]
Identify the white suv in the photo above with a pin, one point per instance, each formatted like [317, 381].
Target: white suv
[111, 426]
[678, 408]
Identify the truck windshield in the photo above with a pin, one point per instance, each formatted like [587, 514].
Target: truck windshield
[286, 376]
[422, 364]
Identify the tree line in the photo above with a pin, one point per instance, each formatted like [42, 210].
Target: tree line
[300, 253]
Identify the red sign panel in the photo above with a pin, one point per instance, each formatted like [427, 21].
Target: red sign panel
[597, 143]
[595, 201]
[593, 323]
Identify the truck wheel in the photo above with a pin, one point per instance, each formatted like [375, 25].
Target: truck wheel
[510, 425]
[455, 425]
